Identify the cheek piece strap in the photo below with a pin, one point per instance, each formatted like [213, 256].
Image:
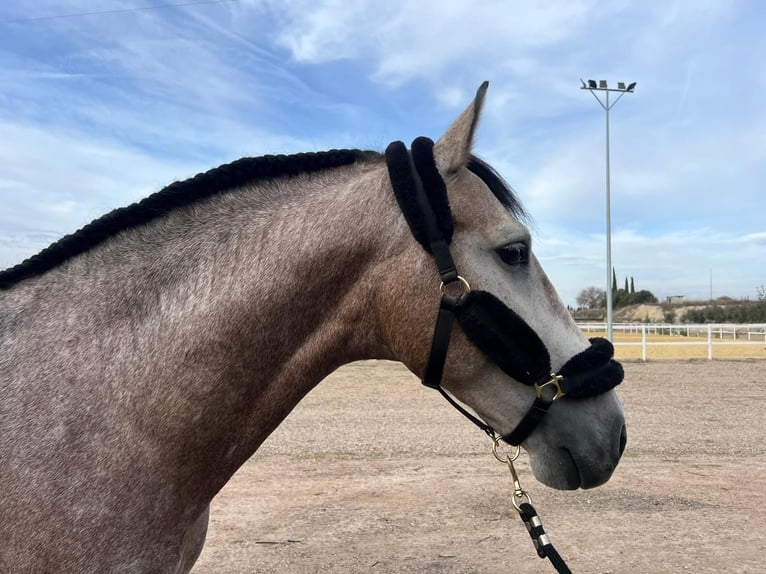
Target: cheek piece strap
[499, 332]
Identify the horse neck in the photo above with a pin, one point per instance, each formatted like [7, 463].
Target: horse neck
[288, 299]
[217, 320]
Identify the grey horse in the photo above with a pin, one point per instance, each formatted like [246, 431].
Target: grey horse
[146, 357]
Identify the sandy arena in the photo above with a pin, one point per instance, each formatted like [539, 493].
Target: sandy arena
[373, 473]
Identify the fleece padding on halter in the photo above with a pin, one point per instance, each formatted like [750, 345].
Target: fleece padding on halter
[427, 212]
[504, 337]
[433, 184]
[516, 348]
[591, 372]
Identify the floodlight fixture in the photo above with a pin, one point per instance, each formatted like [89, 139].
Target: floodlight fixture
[602, 84]
[620, 85]
[631, 86]
[592, 84]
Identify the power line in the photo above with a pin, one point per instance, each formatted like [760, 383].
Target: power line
[116, 11]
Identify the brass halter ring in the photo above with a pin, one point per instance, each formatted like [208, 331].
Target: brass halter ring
[509, 457]
[461, 280]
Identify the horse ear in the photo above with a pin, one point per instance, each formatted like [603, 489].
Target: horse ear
[453, 149]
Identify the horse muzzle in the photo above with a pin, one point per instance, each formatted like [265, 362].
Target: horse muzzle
[567, 460]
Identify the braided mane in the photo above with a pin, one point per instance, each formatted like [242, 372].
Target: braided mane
[219, 180]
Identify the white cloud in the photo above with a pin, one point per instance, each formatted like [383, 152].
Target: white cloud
[407, 40]
[756, 238]
[54, 182]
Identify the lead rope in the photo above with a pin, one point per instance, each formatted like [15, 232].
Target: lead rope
[523, 504]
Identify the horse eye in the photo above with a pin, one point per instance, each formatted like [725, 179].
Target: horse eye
[514, 254]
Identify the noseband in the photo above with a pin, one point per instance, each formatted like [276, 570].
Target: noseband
[488, 323]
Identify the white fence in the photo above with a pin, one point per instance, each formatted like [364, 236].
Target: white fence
[713, 334]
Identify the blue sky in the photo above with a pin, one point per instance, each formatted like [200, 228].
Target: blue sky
[97, 111]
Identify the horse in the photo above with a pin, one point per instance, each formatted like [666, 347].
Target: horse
[146, 357]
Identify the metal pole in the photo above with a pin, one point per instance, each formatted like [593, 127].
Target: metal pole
[592, 88]
[608, 234]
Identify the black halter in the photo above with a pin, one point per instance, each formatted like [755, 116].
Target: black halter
[487, 322]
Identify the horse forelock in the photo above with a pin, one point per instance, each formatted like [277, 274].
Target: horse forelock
[498, 186]
[222, 179]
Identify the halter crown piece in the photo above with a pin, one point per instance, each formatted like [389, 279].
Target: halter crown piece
[487, 322]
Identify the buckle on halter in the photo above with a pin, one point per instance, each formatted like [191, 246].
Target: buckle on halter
[554, 385]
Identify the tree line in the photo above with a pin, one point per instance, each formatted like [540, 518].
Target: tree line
[732, 312]
[724, 310]
[595, 298]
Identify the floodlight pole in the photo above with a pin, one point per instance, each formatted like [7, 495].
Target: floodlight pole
[592, 88]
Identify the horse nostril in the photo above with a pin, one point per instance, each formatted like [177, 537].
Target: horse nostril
[623, 439]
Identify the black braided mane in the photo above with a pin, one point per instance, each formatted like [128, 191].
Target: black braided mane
[181, 193]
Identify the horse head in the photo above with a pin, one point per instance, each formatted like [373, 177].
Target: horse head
[514, 349]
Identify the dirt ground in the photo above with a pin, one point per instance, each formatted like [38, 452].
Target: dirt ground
[374, 473]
